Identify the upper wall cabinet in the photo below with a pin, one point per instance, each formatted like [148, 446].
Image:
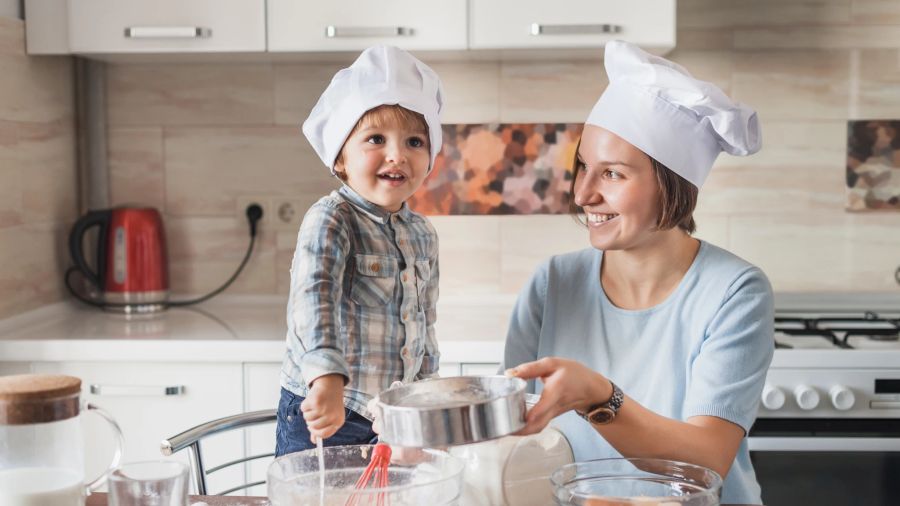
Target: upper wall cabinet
[353, 25]
[139, 26]
[534, 24]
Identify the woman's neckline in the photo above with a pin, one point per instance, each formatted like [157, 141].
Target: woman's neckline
[673, 295]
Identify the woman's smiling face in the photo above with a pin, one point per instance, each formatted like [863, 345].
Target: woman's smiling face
[618, 190]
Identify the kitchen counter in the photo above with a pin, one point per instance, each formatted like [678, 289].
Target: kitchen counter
[99, 499]
[227, 328]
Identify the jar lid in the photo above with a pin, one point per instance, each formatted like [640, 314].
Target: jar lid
[38, 398]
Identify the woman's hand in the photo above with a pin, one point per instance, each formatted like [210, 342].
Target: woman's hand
[323, 408]
[568, 385]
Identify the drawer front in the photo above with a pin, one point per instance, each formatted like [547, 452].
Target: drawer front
[499, 24]
[162, 26]
[353, 25]
[154, 401]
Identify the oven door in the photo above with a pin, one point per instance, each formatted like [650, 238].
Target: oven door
[827, 461]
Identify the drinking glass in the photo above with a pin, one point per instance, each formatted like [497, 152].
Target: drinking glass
[152, 483]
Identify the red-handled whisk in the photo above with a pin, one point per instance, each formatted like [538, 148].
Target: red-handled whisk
[376, 472]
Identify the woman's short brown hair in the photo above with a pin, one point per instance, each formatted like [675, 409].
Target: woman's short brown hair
[678, 197]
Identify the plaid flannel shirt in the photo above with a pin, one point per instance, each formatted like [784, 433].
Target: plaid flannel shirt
[364, 283]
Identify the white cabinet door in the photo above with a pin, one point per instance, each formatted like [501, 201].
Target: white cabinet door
[448, 369]
[353, 25]
[135, 395]
[8, 368]
[166, 26]
[261, 391]
[502, 24]
[479, 369]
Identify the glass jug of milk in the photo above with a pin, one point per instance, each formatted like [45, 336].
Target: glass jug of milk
[41, 441]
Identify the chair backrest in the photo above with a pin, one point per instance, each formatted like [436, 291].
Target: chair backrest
[192, 437]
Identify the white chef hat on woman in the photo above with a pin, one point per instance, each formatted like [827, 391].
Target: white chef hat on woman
[382, 75]
[682, 122]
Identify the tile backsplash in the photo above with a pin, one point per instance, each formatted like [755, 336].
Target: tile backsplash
[199, 141]
[38, 187]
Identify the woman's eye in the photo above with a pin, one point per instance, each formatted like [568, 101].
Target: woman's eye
[376, 139]
[416, 142]
[612, 174]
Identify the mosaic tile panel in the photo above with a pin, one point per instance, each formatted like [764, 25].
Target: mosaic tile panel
[501, 169]
[873, 165]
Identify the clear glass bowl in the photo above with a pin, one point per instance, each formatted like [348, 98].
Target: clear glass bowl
[647, 482]
[415, 477]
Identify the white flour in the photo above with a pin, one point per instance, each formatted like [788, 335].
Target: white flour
[513, 470]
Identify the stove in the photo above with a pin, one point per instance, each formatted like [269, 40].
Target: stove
[829, 422]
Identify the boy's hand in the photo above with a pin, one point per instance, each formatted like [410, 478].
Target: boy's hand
[323, 408]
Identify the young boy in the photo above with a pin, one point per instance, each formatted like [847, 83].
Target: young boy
[364, 279]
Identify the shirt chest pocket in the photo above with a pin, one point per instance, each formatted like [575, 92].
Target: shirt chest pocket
[373, 281]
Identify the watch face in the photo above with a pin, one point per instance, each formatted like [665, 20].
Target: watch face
[601, 416]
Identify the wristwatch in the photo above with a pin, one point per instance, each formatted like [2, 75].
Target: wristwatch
[605, 412]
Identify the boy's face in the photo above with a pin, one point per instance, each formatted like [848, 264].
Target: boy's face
[385, 164]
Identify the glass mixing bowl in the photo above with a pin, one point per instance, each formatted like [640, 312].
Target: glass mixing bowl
[645, 482]
[415, 477]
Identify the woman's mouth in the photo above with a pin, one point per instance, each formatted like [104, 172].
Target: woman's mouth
[598, 219]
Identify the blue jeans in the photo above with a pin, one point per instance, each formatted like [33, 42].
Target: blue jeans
[292, 435]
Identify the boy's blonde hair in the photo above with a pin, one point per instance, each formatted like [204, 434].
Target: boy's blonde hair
[379, 117]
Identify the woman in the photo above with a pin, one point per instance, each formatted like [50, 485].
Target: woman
[659, 341]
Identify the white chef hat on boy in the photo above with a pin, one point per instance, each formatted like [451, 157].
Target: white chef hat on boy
[660, 108]
[382, 75]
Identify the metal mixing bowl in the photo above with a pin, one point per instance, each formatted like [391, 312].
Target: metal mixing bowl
[452, 411]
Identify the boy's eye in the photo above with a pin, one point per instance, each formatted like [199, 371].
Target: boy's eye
[416, 142]
[375, 139]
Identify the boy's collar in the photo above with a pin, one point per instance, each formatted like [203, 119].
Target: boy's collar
[373, 211]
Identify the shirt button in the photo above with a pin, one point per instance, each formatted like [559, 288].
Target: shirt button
[405, 277]
[400, 242]
[376, 267]
[405, 352]
[405, 315]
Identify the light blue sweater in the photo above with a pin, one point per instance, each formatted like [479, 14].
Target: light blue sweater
[703, 351]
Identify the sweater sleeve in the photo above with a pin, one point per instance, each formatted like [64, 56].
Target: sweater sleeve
[728, 374]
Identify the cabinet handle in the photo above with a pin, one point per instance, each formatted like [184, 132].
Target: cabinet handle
[333, 32]
[598, 29]
[167, 32]
[143, 391]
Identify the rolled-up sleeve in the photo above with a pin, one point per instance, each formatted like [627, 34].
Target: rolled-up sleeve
[432, 358]
[317, 273]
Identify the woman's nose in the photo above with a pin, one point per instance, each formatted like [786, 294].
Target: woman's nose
[586, 192]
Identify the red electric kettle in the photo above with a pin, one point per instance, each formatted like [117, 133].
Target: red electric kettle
[132, 267]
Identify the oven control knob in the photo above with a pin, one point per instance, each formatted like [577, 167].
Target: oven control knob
[806, 396]
[772, 397]
[842, 398]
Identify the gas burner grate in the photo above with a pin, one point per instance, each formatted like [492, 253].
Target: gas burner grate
[840, 329]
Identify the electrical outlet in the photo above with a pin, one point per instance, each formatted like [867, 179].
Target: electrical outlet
[243, 201]
[287, 213]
